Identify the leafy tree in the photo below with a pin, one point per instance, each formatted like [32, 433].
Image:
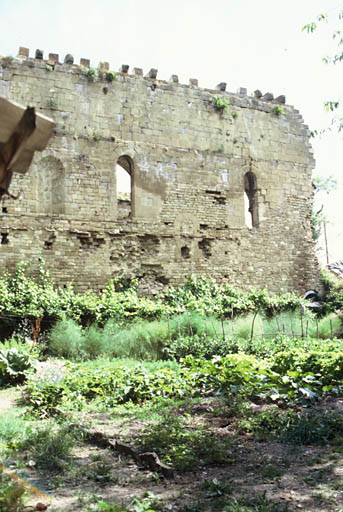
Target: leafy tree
[321, 186]
[336, 58]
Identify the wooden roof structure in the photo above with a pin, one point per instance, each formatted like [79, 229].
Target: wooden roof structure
[22, 132]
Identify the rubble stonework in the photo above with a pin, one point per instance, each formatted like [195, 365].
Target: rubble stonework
[194, 168]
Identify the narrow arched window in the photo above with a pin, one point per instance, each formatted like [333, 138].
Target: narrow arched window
[124, 174]
[250, 200]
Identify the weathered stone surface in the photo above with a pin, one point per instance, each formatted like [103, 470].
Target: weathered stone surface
[221, 86]
[68, 59]
[258, 93]
[85, 63]
[193, 82]
[124, 68]
[39, 54]
[242, 91]
[23, 52]
[281, 99]
[152, 73]
[138, 71]
[53, 58]
[268, 96]
[193, 170]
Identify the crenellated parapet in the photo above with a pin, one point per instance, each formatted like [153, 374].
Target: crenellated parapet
[219, 182]
[53, 60]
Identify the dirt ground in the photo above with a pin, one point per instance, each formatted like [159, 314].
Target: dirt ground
[306, 478]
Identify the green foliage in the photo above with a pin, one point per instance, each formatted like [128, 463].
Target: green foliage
[313, 427]
[110, 76]
[13, 366]
[90, 73]
[50, 446]
[26, 297]
[12, 432]
[46, 395]
[11, 494]
[51, 103]
[278, 110]
[259, 504]
[182, 446]
[66, 339]
[336, 58]
[220, 104]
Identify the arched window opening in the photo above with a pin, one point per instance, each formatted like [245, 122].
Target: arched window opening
[250, 200]
[124, 173]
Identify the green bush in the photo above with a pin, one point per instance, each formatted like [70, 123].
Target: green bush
[66, 339]
[50, 446]
[14, 365]
[12, 432]
[313, 427]
[11, 494]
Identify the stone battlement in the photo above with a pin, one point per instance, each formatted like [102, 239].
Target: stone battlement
[103, 67]
[219, 182]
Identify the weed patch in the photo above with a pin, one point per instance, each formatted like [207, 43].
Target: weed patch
[184, 447]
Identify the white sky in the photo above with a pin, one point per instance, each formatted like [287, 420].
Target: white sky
[246, 43]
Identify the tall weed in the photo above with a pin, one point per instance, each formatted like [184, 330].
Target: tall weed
[66, 339]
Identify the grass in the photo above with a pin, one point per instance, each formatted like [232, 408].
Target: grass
[191, 333]
[183, 446]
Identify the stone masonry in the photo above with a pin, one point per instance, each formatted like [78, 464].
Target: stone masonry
[219, 192]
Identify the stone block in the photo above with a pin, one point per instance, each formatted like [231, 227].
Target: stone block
[193, 82]
[104, 66]
[86, 63]
[23, 52]
[281, 99]
[258, 93]
[138, 71]
[39, 54]
[53, 58]
[268, 96]
[221, 87]
[174, 78]
[68, 59]
[152, 73]
[124, 68]
[242, 91]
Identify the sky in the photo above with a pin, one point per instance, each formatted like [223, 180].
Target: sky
[246, 43]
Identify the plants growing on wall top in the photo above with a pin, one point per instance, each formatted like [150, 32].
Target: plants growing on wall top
[220, 104]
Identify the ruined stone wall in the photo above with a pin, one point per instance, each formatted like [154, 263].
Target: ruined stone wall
[193, 169]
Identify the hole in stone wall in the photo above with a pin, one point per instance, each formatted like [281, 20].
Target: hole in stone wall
[50, 242]
[205, 246]
[124, 173]
[203, 226]
[4, 239]
[216, 196]
[185, 252]
[4, 209]
[250, 200]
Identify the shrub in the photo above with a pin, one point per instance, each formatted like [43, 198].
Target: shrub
[50, 446]
[12, 431]
[66, 339]
[311, 427]
[11, 494]
[13, 366]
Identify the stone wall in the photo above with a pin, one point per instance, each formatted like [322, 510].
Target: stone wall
[195, 170]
